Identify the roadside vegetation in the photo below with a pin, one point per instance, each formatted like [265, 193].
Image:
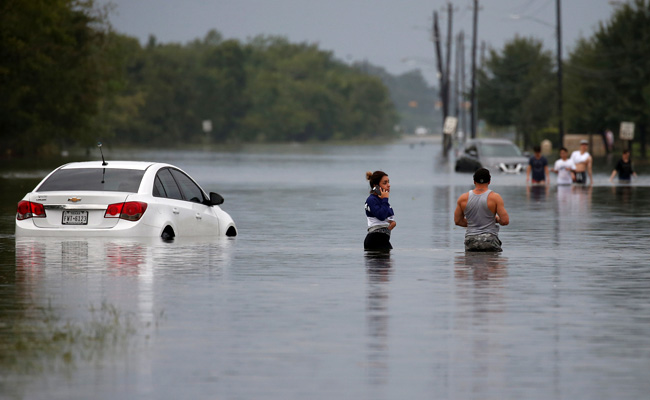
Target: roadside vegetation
[43, 343]
[67, 79]
[606, 81]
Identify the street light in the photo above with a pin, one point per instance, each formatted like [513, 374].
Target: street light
[518, 17]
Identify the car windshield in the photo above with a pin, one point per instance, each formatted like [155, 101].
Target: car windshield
[93, 179]
[499, 150]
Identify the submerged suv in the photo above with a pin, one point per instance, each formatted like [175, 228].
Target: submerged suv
[493, 154]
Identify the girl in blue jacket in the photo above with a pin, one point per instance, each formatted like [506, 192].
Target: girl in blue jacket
[381, 219]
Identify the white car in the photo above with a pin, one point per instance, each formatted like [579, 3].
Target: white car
[121, 198]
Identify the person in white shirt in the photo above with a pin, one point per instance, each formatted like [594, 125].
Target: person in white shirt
[583, 162]
[564, 168]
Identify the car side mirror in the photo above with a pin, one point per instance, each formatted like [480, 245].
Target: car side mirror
[215, 199]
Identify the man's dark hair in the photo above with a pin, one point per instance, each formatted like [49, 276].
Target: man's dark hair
[537, 149]
[564, 148]
[482, 175]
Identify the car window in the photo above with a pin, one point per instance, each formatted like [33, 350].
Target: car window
[191, 191]
[93, 179]
[499, 150]
[158, 189]
[168, 185]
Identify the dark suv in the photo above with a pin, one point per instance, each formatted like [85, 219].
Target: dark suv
[493, 154]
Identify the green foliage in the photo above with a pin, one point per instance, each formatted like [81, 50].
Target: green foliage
[515, 88]
[608, 75]
[550, 133]
[412, 96]
[65, 79]
[48, 73]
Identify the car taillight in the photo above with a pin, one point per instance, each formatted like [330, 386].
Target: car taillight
[130, 210]
[27, 209]
[114, 210]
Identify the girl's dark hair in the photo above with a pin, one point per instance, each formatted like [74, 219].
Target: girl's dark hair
[374, 178]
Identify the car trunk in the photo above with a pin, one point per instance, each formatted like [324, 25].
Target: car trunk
[81, 211]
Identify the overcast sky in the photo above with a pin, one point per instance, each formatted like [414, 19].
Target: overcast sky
[394, 34]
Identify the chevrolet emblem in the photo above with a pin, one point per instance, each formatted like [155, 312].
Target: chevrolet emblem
[74, 199]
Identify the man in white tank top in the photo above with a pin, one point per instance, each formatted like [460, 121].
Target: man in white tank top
[583, 163]
[481, 211]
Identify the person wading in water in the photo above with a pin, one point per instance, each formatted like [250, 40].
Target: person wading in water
[381, 218]
[481, 211]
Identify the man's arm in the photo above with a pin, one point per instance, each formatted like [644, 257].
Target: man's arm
[459, 214]
[528, 172]
[611, 177]
[591, 176]
[501, 216]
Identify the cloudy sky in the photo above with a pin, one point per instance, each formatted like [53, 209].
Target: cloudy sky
[394, 34]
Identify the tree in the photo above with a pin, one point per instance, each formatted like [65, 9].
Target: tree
[48, 73]
[221, 87]
[609, 74]
[300, 93]
[413, 97]
[514, 90]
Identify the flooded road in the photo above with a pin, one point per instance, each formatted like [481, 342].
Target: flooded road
[292, 308]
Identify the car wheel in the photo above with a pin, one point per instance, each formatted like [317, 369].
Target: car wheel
[168, 234]
[231, 232]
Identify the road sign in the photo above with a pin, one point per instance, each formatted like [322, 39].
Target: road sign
[450, 125]
[207, 125]
[627, 131]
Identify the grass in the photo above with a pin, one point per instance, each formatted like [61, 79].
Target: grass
[46, 343]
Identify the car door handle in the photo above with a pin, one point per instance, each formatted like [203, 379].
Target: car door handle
[175, 210]
[198, 216]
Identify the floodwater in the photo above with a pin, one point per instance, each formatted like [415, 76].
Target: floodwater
[292, 308]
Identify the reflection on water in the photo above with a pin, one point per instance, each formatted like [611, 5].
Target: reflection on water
[480, 280]
[537, 192]
[481, 268]
[379, 268]
[623, 194]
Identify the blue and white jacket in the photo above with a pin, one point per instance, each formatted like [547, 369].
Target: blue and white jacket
[378, 212]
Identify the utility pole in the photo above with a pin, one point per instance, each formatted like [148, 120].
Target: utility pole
[447, 138]
[443, 79]
[560, 113]
[463, 88]
[457, 77]
[473, 90]
[441, 71]
[444, 68]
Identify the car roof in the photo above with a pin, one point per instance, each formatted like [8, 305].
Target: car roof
[141, 165]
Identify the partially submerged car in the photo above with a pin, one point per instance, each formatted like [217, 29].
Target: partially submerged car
[493, 154]
[121, 198]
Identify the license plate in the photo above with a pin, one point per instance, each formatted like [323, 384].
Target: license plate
[75, 217]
